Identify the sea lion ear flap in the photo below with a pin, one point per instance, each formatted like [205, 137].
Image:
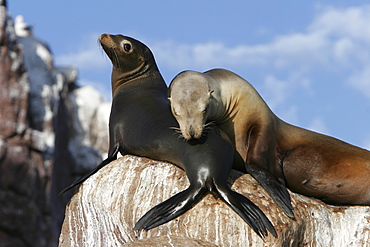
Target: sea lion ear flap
[210, 92]
[169, 94]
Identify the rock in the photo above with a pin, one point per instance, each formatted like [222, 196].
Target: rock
[13, 79]
[169, 241]
[81, 139]
[24, 180]
[107, 206]
[89, 119]
[45, 120]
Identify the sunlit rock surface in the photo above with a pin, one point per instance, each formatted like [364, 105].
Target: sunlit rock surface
[107, 206]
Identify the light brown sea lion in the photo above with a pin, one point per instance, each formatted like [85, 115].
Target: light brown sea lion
[140, 124]
[310, 163]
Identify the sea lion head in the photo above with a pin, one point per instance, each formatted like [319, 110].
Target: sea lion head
[130, 58]
[190, 97]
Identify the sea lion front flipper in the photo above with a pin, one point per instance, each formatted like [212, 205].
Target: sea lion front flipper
[274, 187]
[246, 209]
[111, 157]
[171, 208]
[183, 201]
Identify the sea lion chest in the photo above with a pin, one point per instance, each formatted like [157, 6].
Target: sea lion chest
[141, 119]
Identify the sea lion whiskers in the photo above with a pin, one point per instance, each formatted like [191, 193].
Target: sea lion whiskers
[209, 124]
[206, 128]
[116, 57]
[112, 54]
[178, 132]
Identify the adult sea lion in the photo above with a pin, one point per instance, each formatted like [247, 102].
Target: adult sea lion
[140, 124]
[273, 151]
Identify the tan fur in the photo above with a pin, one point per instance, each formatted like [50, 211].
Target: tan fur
[310, 163]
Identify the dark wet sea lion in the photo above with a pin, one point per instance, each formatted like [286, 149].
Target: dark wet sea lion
[274, 152]
[140, 124]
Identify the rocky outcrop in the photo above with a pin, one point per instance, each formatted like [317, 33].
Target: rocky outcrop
[47, 126]
[107, 206]
[81, 128]
[24, 181]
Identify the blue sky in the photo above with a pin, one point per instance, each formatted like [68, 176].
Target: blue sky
[309, 60]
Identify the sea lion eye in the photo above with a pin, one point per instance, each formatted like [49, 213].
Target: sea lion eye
[127, 47]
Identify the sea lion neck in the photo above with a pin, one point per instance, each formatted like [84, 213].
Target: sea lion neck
[150, 80]
[120, 76]
[132, 60]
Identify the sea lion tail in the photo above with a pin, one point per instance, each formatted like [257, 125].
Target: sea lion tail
[110, 158]
[246, 209]
[171, 208]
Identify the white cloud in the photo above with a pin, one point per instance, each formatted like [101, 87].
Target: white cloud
[288, 114]
[276, 91]
[333, 37]
[341, 22]
[361, 81]
[283, 51]
[86, 55]
[182, 56]
[337, 38]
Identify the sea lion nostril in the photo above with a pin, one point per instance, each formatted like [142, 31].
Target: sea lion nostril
[102, 36]
[191, 133]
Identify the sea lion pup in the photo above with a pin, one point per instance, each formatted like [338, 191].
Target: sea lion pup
[140, 124]
[275, 153]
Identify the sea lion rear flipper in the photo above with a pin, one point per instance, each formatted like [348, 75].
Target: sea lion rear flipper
[171, 208]
[275, 188]
[246, 209]
[110, 158]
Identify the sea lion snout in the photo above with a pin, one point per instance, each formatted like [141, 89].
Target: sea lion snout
[191, 131]
[102, 36]
[191, 98]
[106, 41]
